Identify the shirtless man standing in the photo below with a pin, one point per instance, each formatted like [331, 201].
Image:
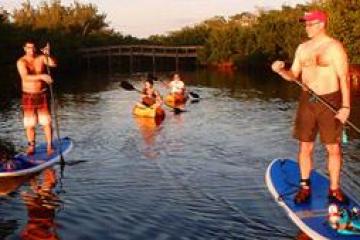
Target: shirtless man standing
[34, 96]
[322, 65]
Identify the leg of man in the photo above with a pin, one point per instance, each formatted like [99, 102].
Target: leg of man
[330, 130]
[334, 167]
[29, 124]
[305, 158]
[45, 121]
[334, 164]
[30, 120]
[48, 137]
[305, 164]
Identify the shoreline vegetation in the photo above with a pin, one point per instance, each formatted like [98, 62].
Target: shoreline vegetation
[245, 40]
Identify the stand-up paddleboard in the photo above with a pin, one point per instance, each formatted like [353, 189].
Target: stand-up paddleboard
[23, 164]
[282, 179]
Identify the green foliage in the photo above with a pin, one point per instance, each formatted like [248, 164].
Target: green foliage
[80, 19]
[344, 25]
[67, 28]
[245, 38]
[257, 39]
[196, 35]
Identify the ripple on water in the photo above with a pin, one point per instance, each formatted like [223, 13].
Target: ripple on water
[199, 175]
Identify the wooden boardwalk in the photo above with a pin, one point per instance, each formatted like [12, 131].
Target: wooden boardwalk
[133, 51]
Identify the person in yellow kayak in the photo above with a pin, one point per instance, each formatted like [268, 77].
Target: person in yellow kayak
[150, 97]
[177, 89]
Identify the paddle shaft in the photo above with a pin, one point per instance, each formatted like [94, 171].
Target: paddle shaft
[320, 99]
[53, 110]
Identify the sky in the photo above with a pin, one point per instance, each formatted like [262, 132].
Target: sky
[142, 18]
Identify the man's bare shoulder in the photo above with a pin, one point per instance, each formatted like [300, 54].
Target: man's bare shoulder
[21, 60]
[335, 45]
[305, 43]
[334, 48]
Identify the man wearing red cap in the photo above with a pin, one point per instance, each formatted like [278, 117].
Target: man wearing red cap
[322, 65]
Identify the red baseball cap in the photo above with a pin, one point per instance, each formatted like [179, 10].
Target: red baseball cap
[314, 15]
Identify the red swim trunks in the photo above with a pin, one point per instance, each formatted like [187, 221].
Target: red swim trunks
[36, 109]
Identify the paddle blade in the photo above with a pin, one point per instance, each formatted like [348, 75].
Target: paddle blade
[194, 95]
[127, 86]
[179, 110]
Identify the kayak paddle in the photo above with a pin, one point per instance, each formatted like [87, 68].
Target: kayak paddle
[53, 107]
[129, 87]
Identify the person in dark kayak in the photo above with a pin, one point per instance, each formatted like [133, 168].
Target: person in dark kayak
[150, 96]
[35, 95]
[322, 65]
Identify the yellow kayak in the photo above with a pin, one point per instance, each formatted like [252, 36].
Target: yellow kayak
[175, 100]
[148, 112]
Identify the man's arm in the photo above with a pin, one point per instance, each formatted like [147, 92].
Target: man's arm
[341, 66]
[48, 60]
[293, 73]
[25, 76]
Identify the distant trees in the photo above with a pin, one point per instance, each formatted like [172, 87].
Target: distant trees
[79, 19]
[243, 39]
[67, 28]
[345, 25]
[4, 16]
[257, 39]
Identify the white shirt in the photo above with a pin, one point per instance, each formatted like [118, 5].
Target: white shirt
[177, 86]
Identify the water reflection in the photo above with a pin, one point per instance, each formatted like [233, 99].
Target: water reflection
[7, 227]
[149, 129]
[9, 185]
[41, 204]
[207, 170]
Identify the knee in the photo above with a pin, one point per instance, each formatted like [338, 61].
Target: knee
[306, 148]
[333, 149]
[45, 120]
[29, 122]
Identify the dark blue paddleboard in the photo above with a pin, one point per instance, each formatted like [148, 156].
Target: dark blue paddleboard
[282, 179]
[24, 164]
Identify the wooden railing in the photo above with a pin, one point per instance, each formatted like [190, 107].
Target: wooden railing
[141, 50]
[134, 52]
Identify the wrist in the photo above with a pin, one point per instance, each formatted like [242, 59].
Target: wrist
[346, 107]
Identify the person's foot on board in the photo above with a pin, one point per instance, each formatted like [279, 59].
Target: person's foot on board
[31, 148]
[336, 196]
[303, 195]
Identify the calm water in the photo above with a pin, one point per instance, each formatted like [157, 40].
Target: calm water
[198, 175]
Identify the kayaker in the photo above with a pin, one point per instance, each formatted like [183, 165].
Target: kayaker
[322, 65]
[150, 96]
[34, 93]
[177, 90]
[177, 86]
